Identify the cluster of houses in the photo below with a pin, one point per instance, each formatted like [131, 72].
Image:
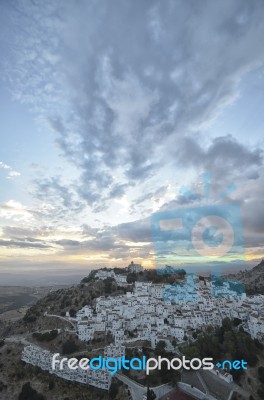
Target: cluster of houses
[157, 312]
[153, 312]
[121, 279]
[104, 274]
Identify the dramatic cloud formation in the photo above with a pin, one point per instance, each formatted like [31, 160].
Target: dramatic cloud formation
[225, 156]
[131, 92]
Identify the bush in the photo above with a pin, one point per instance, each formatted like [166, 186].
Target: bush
[72, 312]
[261, 392]
[225, 342]
[28, 393]
[261, 374]
[69, 347]
[113, 391]
[45, 337]
[29, 318]
[51, 385]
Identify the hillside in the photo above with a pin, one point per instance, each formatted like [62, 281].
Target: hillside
[75, 297]
[16, 373]
[34, 325]
[252, 279]
[72, 298]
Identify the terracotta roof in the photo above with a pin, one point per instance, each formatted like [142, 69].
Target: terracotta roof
[177, 395]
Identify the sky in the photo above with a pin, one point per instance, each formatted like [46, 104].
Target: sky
[115, 115]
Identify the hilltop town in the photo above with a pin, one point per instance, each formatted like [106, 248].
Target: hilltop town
[134, 311]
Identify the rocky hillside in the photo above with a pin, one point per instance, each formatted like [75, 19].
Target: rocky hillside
[75, 297]
[252, 279]
[61, 301]
[16, 374]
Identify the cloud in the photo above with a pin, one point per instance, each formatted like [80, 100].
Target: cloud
[62, 197]
[136, 231]
[128, 90]
[29, 244]
[14, 210]
[67, 242]
[121, 83]
[11, 172]
[224, 156]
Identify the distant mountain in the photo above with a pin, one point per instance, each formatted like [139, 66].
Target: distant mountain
[252, 279]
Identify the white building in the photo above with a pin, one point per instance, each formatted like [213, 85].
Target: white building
[85, 331]
[34, 355]
[114, 351]
[99, 378]
[135, 267]
[104, 274]
[121, 279]
[86, 311]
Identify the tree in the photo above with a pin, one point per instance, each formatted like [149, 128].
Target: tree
[131, 277]
[28, 393]
[261, 392]
[237, 321]
[227, 324]
[113, 390]
[258, 344]
[72, 312]
[192, 351]
[150, 394]
[69, 347]
[175, 378]
[145, 351]
[51, 385]
[160, 347]
[261, 374]
[108, 285]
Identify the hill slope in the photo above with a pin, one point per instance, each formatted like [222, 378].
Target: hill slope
[252, 279]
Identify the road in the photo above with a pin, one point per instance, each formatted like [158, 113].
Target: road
[62, 318]
[17, 339]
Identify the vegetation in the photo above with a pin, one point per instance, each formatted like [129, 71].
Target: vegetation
[160, 349]
[156, 377]
[28, 393]
[69, 347]
[131, 277]
[150, 394]
[51, 385]
[109, 285]
[226, 342]
[29, 317]
[72, 312]
[45, 337]
[261, 374]
[113, 391]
